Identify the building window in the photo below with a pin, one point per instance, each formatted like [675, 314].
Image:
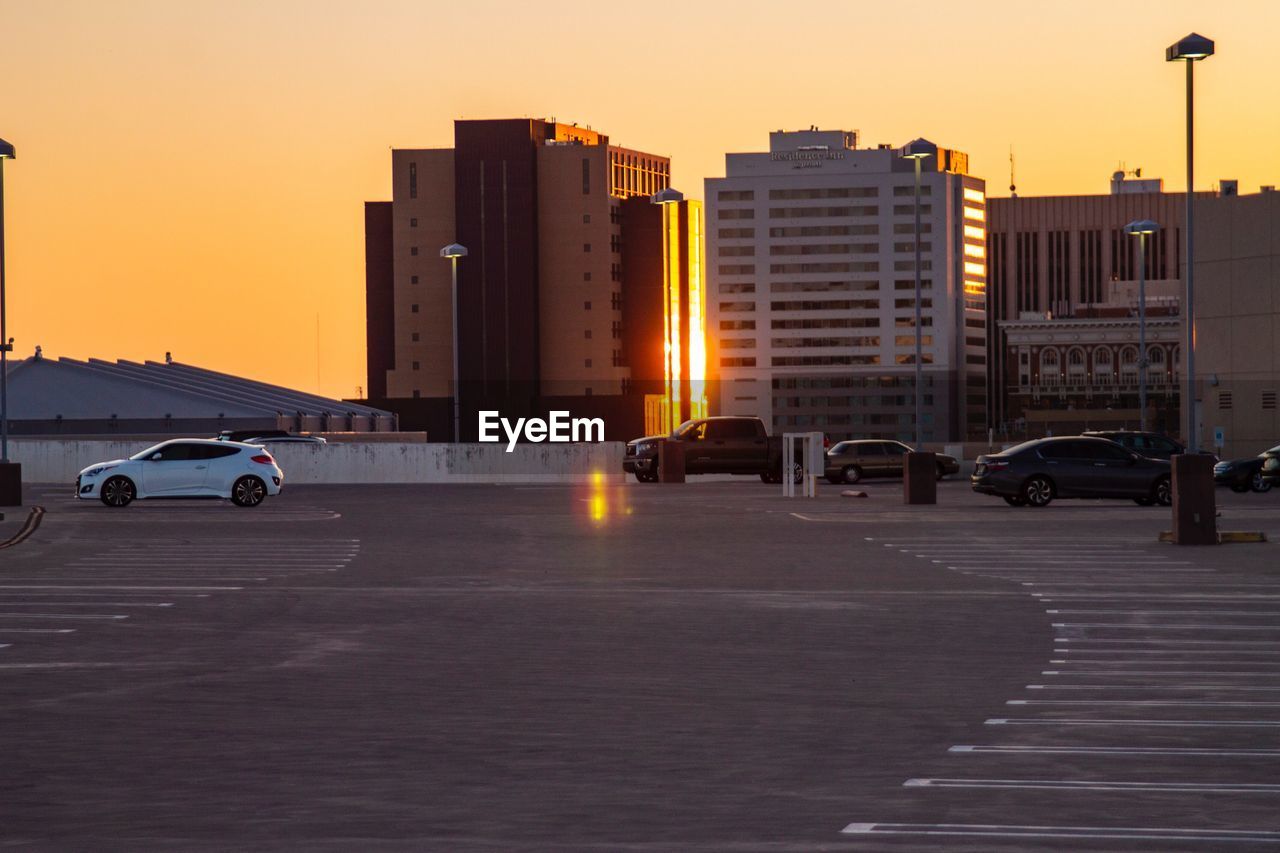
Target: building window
[615, 301]
[414, 308]
[413, 250]
[413, 222]
[586, 219]
[586, 362]
[587, 334]
[413, 279]
[615, 243]
[586, 247]
[1027, 270]
[416, 393]
[586, 276]
[1060, 273]
[586, 306]
[413, 180]
[416, 366]
[415, 337]
[1091, 267]
[616, 330]
[586, 176]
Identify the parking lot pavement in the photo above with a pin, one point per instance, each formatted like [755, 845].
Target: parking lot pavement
[706, 667]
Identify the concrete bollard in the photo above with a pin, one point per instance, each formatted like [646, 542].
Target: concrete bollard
[670, 462]
[920, 478]
[1194, 503]
[10, 484]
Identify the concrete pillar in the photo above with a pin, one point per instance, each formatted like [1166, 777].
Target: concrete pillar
[670, 462]
[920, 478]
[10, 484]
[1195, 506]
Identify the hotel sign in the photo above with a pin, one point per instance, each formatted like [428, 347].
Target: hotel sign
[805, 155]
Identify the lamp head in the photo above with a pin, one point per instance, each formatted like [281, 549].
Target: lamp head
[670, 195]
[1141, 226]
[1192, 48]
[454, 250]
[7, 151]
[918, 149]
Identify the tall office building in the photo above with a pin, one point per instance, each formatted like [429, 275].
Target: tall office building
[811, 271]
[541, 309]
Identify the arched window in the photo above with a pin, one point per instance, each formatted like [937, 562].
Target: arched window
[1155, 358]
[1129, 359]
[1049, 362]
[1177, 359]
[1102, 365]
[1075, 360]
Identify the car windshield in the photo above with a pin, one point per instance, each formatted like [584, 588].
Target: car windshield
[144, 454]
[1275, 451]
[684, 428]
[842, 446]
[1018, 448]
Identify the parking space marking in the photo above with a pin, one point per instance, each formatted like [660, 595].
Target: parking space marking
[1159, 723]
[1086, 785]
[1146, 703]
[1016, 831]
[1022, 749]
[60, 616]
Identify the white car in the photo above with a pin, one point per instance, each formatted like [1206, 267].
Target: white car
[185, 468]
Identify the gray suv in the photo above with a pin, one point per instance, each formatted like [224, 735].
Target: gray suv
[1035, 472]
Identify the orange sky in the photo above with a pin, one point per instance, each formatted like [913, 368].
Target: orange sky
[190, 174]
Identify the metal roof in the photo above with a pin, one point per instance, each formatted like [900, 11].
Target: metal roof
[41, 388]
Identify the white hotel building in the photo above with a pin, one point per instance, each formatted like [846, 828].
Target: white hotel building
[811, 280]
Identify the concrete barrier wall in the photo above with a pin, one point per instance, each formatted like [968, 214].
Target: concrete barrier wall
[59, 461]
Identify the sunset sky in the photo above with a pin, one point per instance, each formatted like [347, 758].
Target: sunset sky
[190, 175]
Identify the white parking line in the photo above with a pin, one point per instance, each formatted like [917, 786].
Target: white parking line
[37, 630]
[1167, 672]
[1009, 749]
[1173, 612]
[1059, 721]
[1141, 687]
[996, 830]
[1147, 626]
[111, 586]
[59, 616]
[1146, 703]
[86, 603]
[1085, 785]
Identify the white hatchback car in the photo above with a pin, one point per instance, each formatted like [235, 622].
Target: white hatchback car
[185, 468]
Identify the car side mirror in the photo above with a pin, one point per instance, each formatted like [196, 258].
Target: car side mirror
[155, 457]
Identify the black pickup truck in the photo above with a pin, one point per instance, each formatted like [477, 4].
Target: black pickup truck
[723, 445]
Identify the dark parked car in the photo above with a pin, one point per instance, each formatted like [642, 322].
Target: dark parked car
[1149, 444]
[1245, 474]
[1035, 472]
[719, 445]
[851, 461]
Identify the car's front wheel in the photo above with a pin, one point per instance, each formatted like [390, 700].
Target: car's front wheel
[852, 474]
[248, 491]
[1260, 483]
[647, 476]
[118, 492]
[1037, 491]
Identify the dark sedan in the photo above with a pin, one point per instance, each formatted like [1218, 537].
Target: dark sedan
[1035, 472]
[1258, 473]
[852, 461]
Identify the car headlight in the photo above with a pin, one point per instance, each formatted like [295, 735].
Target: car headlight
[93, 472]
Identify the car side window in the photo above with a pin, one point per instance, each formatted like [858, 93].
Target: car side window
[870, 448]
[717, 430]
[698, 432]
[1164, 445]
[742, 430]
[1101, 450]
[892, 448]
[1058, 450]
[210, 452]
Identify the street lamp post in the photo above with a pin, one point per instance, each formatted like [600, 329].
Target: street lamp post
[917, 150]
[675, 375]
[1190, 50]
[7, 152]
[453, 251]
[1141, 228]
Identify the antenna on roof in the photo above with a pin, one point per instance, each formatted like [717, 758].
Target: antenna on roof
[168, 357]
[1013, 185]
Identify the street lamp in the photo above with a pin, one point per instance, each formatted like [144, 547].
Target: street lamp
[1190, 50]
[7, 152]
[1140, 228]
[453, 251]
[917, 150]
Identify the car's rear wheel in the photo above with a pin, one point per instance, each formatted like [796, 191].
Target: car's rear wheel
[118, 492]
[248, 491]
[1162, 492]
[1037, 491]
[647, 476]
[1260, 483]
[852, 474]
[1015, 500]
[941, 472]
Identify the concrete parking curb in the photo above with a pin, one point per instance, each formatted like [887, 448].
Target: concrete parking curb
[28, 527]
[1225, 536]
